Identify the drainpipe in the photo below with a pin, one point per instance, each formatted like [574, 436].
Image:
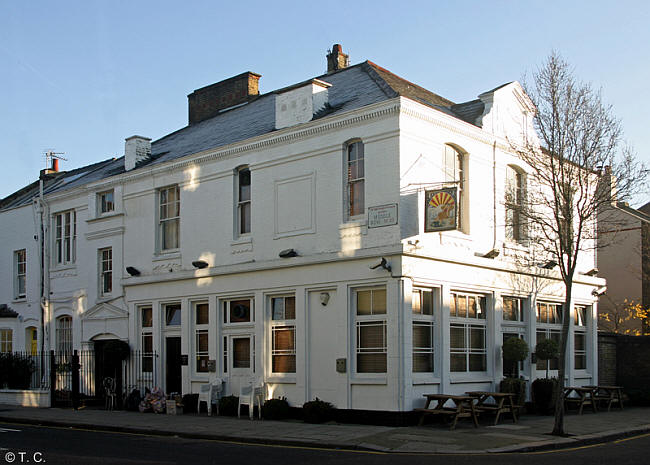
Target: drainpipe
[494, 194]
[43, 242]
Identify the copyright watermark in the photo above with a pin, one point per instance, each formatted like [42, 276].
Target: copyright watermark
[23, 457]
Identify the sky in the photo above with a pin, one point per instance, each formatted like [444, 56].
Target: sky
[78, 77]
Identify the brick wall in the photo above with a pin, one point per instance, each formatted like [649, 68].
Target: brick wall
[607, 359]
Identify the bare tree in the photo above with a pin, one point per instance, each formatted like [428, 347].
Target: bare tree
[580, 141]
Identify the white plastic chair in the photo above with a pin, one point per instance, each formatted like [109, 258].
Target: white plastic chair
[109, 392]
[251, 393]
[210, 393]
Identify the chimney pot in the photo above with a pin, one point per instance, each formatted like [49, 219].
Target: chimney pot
[336, 59]
[55, 165]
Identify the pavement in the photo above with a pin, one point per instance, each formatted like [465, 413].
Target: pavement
[529, 434]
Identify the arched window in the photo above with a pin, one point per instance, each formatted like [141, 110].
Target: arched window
[64, 334]
[515, 204]
[455, 171]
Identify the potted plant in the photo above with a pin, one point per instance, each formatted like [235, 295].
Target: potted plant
[543, 389]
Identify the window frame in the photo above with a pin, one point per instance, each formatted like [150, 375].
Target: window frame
[146, 333]
[65, 243]
[64, 334]
[354, 182]
[105, 256]
[456, 174]
[580, 331]
[243, 206]
[104, 206]
[422, 319]
[201, 329]
[549, 328]
[226, 307]
[516, 229]
[167, 219]
[377, 317]
[285, 323]
[468, 324]
[520, 311]
[20, 274]
[6, 340]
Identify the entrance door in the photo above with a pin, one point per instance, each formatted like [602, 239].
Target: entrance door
[173, 375]
[323, 378]
[242, 361]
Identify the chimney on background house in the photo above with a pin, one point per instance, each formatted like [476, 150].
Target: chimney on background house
[336, 59]
[137, 149]
[208, 101]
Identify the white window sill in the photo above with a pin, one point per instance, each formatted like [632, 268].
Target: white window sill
[279, 379]
[380, 380]
[242, 240]
[104, 216]
[481, 377]
[425, 382]
[69, 266]
[166, 255]
[19, 299]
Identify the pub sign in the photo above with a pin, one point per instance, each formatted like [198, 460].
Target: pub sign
[440, 209]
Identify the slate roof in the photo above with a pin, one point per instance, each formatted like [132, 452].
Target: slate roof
[352, 88]
[6, 312]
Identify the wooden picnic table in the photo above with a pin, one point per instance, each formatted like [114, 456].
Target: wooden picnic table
[463, 408]
[609, 394]
[502, 402]
[585, 396]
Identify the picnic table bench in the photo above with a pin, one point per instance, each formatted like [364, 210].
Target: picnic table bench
[463, 408]
[608, 394]
[585, 395]
[503, 402]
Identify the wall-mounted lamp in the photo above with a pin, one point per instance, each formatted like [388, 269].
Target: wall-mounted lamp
[600, 291]
[592, 272]
[132, 271]
[549, 265]
[288, 253]
[493, 253]
[383, 263]
[200, 264]
[324, 298]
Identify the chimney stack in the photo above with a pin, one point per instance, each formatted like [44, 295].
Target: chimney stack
[336, 59]
[208, 101]
[137, 149]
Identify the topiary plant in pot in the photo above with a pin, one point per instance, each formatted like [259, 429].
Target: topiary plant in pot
[547, 349]
[515, 350]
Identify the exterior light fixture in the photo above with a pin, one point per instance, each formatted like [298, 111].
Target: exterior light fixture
[592, 272]
[324, 298]
[600, 291]
[288, 253]
[132, 271]
[493, 253]
[549, 265]
[383, 263]
[200, 264]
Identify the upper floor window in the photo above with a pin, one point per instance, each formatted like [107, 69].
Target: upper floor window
[20, 262]
[169, 218]
[515, 204]
[454, 167]
[6, 340]
[105, 271]
[243, 201]
[106, 202]
[65, 234]
[355, 179]
[549, 313]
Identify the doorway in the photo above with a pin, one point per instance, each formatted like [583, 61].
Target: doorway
[173, 373]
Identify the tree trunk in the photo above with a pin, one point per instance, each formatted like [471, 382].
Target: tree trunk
[558, 426]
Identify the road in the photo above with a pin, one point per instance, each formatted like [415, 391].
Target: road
[51, 445]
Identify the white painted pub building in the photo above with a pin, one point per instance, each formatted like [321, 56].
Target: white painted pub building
[346, 238]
